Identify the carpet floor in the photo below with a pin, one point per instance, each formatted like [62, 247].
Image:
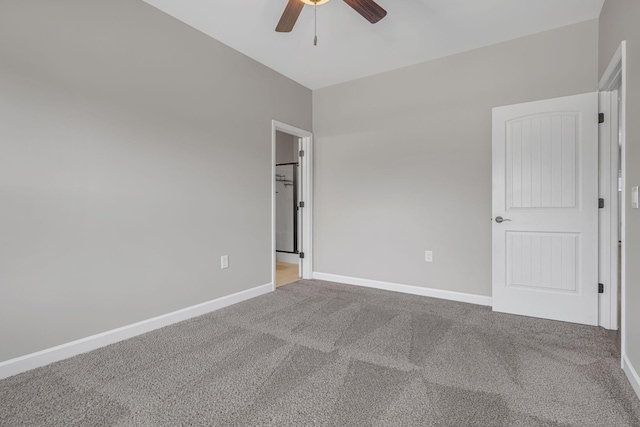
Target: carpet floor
[316, 353]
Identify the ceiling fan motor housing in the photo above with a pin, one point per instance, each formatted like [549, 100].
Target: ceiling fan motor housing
[369, 9]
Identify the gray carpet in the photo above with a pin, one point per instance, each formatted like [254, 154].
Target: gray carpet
[319, 353]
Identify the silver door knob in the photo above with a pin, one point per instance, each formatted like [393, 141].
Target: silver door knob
[499, 219]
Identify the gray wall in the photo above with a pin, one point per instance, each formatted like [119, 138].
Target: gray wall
[286, 149]
[134, 152]
[403, 159]
[619, 21]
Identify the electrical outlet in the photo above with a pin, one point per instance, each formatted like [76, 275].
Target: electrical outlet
[224, 261]
[428, 256]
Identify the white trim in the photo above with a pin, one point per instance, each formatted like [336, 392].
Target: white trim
[307, 211]
[306, 140]
[406, 289]
[617, 69]
[614, 69]
[64, 351]
[632, 374]
[608, 216]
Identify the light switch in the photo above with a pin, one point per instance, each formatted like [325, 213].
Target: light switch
[634, 197]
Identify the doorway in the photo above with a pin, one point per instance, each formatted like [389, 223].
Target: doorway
[292, 248]
[610, 219]
[288, 196]
[613, 190]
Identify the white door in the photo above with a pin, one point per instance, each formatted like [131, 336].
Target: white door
[545, 209]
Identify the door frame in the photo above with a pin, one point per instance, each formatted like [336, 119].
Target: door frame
[608, 259]
[616, 72]
[306, 186]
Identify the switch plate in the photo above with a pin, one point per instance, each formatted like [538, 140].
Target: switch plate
[224, 261]
[428, 256]
[634, 197]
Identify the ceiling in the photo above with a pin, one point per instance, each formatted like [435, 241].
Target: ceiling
[349, 47]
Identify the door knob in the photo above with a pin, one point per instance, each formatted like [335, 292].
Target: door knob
[499, 219]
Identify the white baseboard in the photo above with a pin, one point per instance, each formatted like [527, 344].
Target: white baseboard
[632, 374]
[407, 289]
[42, 358]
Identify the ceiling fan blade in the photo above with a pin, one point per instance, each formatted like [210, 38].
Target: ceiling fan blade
[289, 16]
[369, 9]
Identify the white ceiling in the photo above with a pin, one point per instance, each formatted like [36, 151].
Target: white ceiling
[350, 47]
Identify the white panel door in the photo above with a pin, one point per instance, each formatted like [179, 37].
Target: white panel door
[545, 209]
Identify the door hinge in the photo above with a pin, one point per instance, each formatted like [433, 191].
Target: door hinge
[601, 118]
[301, 153]
[301, 254]
[600, 203]
[600, 288]
[301, 204]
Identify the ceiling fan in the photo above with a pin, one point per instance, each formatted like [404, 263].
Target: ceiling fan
[369, 9]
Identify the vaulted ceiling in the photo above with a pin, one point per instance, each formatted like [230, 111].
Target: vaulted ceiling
[350, 47]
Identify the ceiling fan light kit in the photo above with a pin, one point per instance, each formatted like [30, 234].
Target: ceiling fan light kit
[369, 9]
[314, 3]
